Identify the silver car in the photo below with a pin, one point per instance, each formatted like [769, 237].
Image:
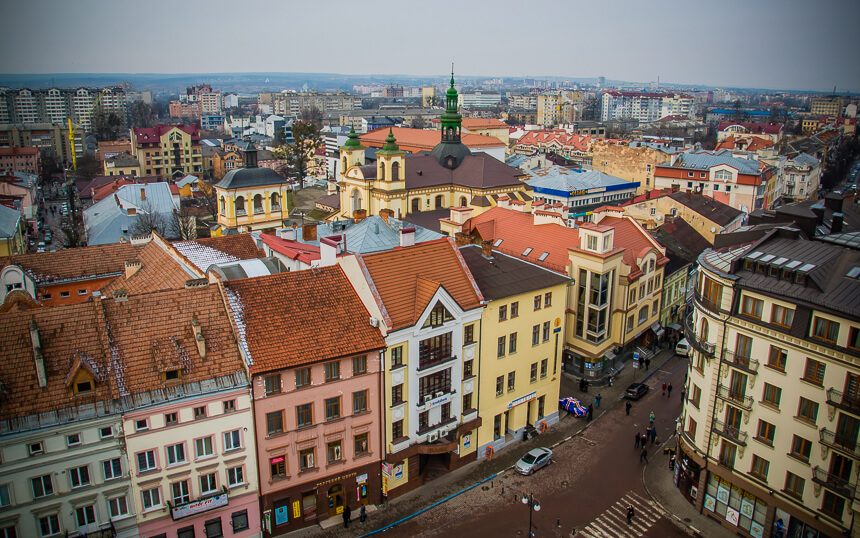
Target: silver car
[534, 460]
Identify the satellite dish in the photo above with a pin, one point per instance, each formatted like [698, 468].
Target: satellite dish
[659, 217]
[682, 289]
[713, 230]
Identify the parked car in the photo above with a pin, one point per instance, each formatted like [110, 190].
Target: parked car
[636, 391]
[534, 460]
[682, 349]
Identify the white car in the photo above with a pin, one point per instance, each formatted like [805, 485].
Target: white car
[682, 349]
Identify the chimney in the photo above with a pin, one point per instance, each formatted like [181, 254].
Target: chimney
[132, 267]
[676, 187]
[309, 232]
[199, 339]
[487, 249]
[196, 283]
[329, 249]
[689, 194]
[38, 358]
[359, 215]
[836, 225]
[462, 239]
[819, 212]
[407, 237]
[143, 194]
[833, 202]
[120, 296]
[386, 214]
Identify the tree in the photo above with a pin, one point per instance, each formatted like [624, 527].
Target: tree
[300, 153]
[148, 220]
[88, 167]
[209, 200]
[419, 123]
[141, 114]
[312, 115]
[183, 224]
[430, 101]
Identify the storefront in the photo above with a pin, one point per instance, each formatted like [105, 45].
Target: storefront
[740, 508]
[687, 473]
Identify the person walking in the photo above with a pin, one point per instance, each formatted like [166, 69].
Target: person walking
[582, 385]
[643, 439]
[651, 418]
[597, 400]
[636, 444]
[590, 412]
[653, 436]
[669, 391]
[664, 388]
[362, 516]
[610, 381]
[683, 393]
[627, 407]
[346, 513]
[647, 363]
[643, 455]
[630, 513]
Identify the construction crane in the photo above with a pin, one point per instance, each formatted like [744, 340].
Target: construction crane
[72, 129]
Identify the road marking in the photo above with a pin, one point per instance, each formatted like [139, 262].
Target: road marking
[612, 522]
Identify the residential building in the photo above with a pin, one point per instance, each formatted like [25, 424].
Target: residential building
[635, 162]
[12, 238]
[225, 160]
[51, 139]
[831, 105]
[55, 106]
[802, 174]
[644, 106]
[521, 340]
[744, 142]
[180, 109]
[524, 101]
[479, 99]
[429, 309]
[706, 216]
[770, 131]
[579, 192]
[122, 164]
[16, 159]
[168, 151]
[770, 422]
[420, 140]
[558, 107]
[21, 191]
[318, 414]
[113, 219]
[571, 146]
[491, 127]
[293, 103]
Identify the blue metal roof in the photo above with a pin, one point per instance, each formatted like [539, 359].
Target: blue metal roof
[566, 182]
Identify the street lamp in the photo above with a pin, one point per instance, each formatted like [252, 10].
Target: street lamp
[534, 506]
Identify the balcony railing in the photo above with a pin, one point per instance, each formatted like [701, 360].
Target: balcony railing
[740, 362]
[434, 359]
[843, 401]
[839, 443]
[735, 397]
[731, 433]
[698, 344]
[833, 482]
[709, 304]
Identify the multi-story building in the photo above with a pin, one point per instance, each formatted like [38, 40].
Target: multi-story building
[827, 106]
[491, 127]
[429, 309]
[520, 345]
[579, 191]
[558, 107]
[167, 151]
[645, 107]
[17, 159]
[525, 101]
[634, 162]
[293, 103]
[706, 216]
[771, 417]
[121, 164]
[52, 139]
[186, 109]
[479, 99]
[801, 176]
[316, 364]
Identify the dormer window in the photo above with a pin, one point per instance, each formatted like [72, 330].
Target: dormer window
[591, 242]
[607, 242]
[83, 387]
[171, 375]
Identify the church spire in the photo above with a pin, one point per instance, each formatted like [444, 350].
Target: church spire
[451, 119]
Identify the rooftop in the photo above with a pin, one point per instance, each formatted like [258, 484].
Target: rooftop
[506, 276]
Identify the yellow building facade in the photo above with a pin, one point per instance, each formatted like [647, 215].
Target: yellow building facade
[251, 198]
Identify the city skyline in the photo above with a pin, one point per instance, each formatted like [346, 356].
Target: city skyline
[776, 45]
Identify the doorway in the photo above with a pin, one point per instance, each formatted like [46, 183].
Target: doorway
[335, 500]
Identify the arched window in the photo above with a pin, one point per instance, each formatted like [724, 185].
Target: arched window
[223, 206]
[416, 205]
[395, 171]
[703, 334]
[258, 203]
[345, 166]
[439, 202]
[463, 202]
[382, 170]
[275, 201]
[240, 206]
[450, 162]
[356, 200]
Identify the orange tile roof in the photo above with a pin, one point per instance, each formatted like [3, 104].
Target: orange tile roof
[75, 263]
[158, 271]
[753, 143]
[483, 123]
[558, 138]
[414, 140]
[633, 239]
[300, 317]
[406, 279]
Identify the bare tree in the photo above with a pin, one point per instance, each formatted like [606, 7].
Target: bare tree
[419, 123]
[209, 197]
[182, 224]
[312, 115]
[148, 220]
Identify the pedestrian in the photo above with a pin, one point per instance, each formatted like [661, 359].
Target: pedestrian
[610, 381]
[627, 406]
[636, 444]
[653, 436]
[647, 363]
[669, 390]
[643, 455]
[643, 440]
[664, 388]
[651, 418]
[363, 514]
[590, 412]
[582, 385]
[780, 528]
[346, 514]
[630, 513]
[586, 385]
[597, 400]
[683, 393]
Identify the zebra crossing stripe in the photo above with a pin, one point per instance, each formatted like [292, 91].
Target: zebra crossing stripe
[612, 523]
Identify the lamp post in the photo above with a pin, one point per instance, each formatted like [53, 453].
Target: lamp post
[534, 506]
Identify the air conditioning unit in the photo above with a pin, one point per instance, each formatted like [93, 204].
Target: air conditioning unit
[433, 437]
[426, 398]
[438, 394]
[374, 322]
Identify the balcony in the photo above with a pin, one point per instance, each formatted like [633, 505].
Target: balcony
[845, 402]
[833, 482]
[734, 397]
[745, 364]
[707, 304]
[731, 433]
[840, 444]
[699, 345]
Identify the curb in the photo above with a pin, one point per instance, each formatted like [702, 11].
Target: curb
[678, 522]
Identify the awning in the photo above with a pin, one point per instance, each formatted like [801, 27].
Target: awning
[610, 356]
[658, 330]
[674, 326]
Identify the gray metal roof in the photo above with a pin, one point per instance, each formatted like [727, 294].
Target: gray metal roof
[372, 234]
[566, 179]
[505, 276]
[9, 219]
[244, 178]
[108, 220]
[704, 160]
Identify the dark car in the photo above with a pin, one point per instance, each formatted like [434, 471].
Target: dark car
[636, 391]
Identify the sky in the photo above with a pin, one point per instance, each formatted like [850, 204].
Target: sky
[776, 44]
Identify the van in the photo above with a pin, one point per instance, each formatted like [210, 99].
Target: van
[682, 349]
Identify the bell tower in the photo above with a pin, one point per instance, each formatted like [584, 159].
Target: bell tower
[351, 153]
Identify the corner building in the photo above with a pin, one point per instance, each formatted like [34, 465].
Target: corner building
[772, 414]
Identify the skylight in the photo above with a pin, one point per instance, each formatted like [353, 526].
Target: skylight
[755, 255]
[498, 242]
[767, 257]
[792, 264]
[807, 268]
[780, 261]
[527, 251]
[854, 272]
[543, 256]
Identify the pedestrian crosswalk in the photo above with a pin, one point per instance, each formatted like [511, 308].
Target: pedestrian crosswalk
[613, 522]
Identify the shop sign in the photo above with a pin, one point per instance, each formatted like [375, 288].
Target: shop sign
[694, 492]
[747, 505]
[732, 516]
[710, 503]
[522, 399]
[297, 510]
[362, 478]
[723, 493]
[467, 440]
[398, 472]
[756, 530]
[333, 480]
[197, 507]
[282, 514]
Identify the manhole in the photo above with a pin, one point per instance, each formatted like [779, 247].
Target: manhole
[564, 483]
[486, 488]
[687, 520]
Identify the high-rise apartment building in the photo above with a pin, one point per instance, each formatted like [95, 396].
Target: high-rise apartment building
[292, 103]
[645, 106]
[57, 105]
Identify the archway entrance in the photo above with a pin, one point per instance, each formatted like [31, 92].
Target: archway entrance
[335, 500]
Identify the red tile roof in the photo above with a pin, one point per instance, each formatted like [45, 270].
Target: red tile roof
[153, 134]
[413, 140]
[406, 278]
[300, 317]
[205, 251]
[158, 271]
[752, 143]
[11, 152]
[75, 263]
[761, 128]
[483, 123]
[635, 241]
[294, 250]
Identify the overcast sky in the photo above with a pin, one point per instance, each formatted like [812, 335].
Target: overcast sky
[792, 44]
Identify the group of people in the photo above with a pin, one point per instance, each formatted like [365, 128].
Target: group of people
[583, 385]
[650, 433]
[347, 513]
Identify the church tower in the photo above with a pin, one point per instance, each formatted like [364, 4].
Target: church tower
[390, 163]
[351, 153]
[450, 151]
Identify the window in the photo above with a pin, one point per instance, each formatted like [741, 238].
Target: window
[814, 372]
[274, 422]
[696, 395]
[332, 371]
[512, 343]
[181, 492]
[537, 302]
[304, 416]
[42, 486]
[511, 380]
[229, 406]
[854, 338]
[467, 402]
[232, 441]
[200, 412]
[397, 394]
[743, 347]
[397, 429]
[500, 385]
[807, 410]
[306, 459]
[175, 454]
[438, 316]
[752, 307]
[423, 420]
[278, 466]
[73, 439]
[334, 452]
[235, 476]
[800, 448]
[79, 476]
[303, 377]
[212, 527]
[503, 312]
[146, 461]
[777, 357]
[64, 295]
[112, 469]
[825, 329]
[545, 331]
[643, 314]
[691, 427]
[239, 521]
[500, 347]
[118, 507]
[467, 369]
[782, 316]
[208, 484]
[497, 427]
[772, 394]
[543, 368]
[360, 443]
[468, 334]
[49, 525]
[760, 467]
[141, 425]
[397, 355]
[359, 402]
[5, 497]
[655, 308]
[765, 432]
[332, 408]
[170, 419]
[359, 365]
[515, 309]
[273, 383]
[535, 335]
[833, 504]
[794, 485]
[533, 372]
[547, 299]
[203, 447]
[151, 498]
[106, 432]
